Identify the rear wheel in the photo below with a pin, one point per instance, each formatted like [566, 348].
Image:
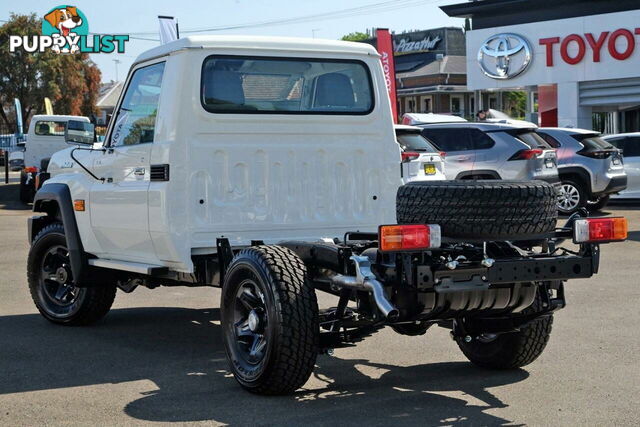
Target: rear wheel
[269, 317]
[510, 350]
[571, 196]
[51, 283]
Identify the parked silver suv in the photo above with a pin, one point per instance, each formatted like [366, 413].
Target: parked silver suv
[591, 169]
[493, 151]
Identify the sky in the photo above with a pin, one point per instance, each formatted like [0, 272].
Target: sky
[135, 17]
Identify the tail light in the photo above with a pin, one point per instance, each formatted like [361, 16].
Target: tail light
[593, 230]
[600, 154]
[443, 154]
[407, 156]
[31, 169]
[409, 237]
[527, 154]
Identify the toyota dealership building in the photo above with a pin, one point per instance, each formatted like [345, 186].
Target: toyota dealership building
[579, 60]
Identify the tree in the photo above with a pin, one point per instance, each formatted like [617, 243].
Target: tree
[70, 81]
[515, 103]
[356, 36]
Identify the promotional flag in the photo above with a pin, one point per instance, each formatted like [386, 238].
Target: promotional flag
[168, 29]
[385, 49]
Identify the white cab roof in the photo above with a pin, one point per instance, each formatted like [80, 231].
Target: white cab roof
[58, 118]
[261, 43]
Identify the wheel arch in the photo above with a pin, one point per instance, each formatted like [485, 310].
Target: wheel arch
[576, 171]
[55, 200]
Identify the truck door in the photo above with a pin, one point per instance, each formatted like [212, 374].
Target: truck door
[119, 205]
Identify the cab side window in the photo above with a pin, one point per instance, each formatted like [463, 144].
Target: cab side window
[135, 120]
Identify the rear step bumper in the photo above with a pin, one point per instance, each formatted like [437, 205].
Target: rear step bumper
[518, 270]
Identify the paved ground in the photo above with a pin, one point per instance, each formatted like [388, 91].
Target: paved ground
[157, 357]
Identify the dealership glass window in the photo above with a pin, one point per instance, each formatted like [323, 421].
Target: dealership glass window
[136, 118]
[50, 128]
[269, 85]
[427, 105]
[456, 104]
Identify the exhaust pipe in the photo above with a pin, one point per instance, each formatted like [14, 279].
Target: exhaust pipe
[366, 281]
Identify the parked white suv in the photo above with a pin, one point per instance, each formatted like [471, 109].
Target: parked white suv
[269, 167]
[421, 161]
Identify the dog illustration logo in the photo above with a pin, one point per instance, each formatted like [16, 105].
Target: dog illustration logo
[66, 22]
[65, 29]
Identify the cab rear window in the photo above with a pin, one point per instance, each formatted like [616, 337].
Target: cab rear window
[50, 128]
[269, 85]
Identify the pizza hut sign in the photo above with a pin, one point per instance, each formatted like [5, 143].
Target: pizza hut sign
[409, 46]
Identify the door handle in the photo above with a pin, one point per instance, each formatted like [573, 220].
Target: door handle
[138, 171]
[463, 159]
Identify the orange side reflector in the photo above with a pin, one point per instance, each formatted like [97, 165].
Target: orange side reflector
[78, 205]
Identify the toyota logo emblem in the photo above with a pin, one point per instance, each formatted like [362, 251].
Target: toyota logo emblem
[504, 56]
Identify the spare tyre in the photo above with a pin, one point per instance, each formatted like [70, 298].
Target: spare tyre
[496, 209]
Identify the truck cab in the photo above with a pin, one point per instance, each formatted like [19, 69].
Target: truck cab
[46, 135]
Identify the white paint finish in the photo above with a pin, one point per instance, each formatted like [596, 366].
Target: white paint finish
[538, 72]
[259, 176]
[570, 113]
[119, 209]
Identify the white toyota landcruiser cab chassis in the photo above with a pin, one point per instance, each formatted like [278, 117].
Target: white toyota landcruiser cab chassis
[269, 167]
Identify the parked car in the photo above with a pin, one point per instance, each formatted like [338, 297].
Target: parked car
[423, 118]
[629, 144]
[590, 168]
[493, 151]
[45, 137]
[281, 182]
[496, 116]
[16, 160]
[421, 161]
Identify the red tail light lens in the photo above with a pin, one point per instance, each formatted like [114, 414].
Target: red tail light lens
[443, 154]
[602, 154]
[31, 169]
[407, 156]
[527, 154]
[408, 237]
[600, 230]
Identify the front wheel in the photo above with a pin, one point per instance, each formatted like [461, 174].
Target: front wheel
[269, 316]
[51, 283]
[510, 350]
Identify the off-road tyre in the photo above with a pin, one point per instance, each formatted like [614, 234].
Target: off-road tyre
[483, 209]
[279, 278]
[91, 304]
[511, 350]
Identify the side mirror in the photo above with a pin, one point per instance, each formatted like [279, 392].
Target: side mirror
[78, 132]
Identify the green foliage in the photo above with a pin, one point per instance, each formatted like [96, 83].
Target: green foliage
[71, 81]
[356, 36]
[515, 103]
